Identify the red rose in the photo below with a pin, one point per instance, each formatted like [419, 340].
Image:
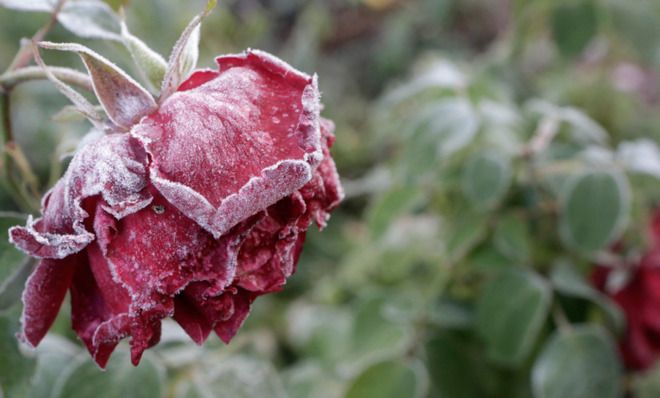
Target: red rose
[639, 299]
[199, 209]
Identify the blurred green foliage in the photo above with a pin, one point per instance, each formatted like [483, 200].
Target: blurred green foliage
[491, 150]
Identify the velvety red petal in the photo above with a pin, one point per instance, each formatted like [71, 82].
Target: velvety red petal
[199, 312]
[636, 351]
[111, 166]
[159, 250]
[257, 109]
[43, 296]
[227, 329]
[146, 328]
[191, 320]
[198, 78]
[99, 307]
[324, 192]
[267, 257]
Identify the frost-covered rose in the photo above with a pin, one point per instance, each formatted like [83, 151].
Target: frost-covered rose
[200, 207]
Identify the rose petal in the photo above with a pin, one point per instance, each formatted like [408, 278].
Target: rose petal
[158, 250]
[43, 296]
[99, 307]
[324, 192]
[198, 78]
[227, 329]
[110, 166]
[268, 255]
[191, 320]
[199, 312]
[146, 328]
[236, 144]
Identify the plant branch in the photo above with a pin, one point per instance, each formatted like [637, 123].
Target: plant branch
[545, 133]
[5, 110]
[12, 78]
[24, 55]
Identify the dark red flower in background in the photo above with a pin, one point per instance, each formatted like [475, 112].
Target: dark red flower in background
[639, 299]
[199, 209]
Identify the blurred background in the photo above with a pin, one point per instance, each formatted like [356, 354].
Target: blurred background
[501, 169]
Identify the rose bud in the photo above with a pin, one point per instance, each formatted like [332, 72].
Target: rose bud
[191, 212]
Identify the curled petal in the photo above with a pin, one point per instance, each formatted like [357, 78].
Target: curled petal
[146, 327]
[48, 245]
[191, 320]
[159, 251]
[43, 295]
[226, 329]
[324, 192]
[99, 306]
[198, 78]
[111, 167]
[268, 255]
[232, 146]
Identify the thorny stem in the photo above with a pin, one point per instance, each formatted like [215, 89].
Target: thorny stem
[24, 55]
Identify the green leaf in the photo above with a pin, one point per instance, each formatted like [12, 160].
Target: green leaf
[309, 379]
[637, 23]
[71, 114]
[52, 355]
[451, 315]
[375, 334]
[124, 100]
[14, 265]
[29, 5]
[321, 332]
[81, 103]
[184, 55]
[594, 210]
[567, 281]
[116, 4]
[486, 178]
[581, 126]
[90, 19]
[238, 377]
[640, 156]
[647, 384]
[510, 314]
[457, 368]
[15, 368]
[12, 287]
[512, 238]
[83, 379]
[580, 363]
[150, 64]
[389, 206]
[574, 24]
[10, 257]
[452, 123]
[466, 232]
[388, 379]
